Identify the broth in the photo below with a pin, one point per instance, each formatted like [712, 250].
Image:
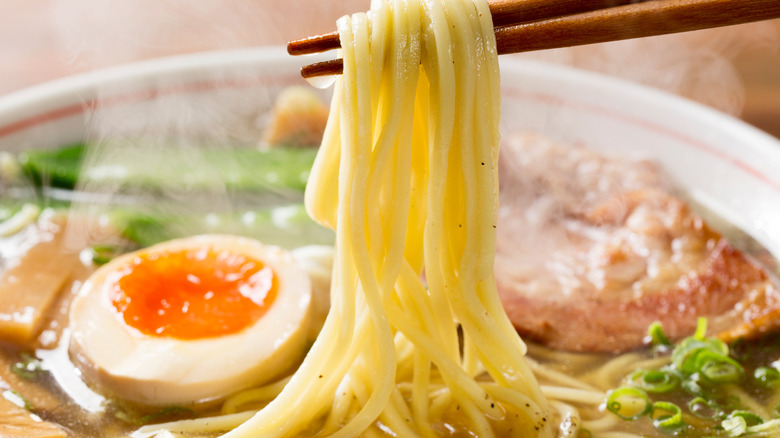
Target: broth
[40, 376]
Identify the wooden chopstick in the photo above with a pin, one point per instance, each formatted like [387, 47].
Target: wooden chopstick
[504, 12]
[637, 20]
[658, 17]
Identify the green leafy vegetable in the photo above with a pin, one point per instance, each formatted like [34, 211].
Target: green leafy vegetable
[104, 253]
[247, 169]
[286, 225]
[55, 167]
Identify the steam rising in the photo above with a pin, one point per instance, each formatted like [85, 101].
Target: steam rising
[98, 33]
[697, 65]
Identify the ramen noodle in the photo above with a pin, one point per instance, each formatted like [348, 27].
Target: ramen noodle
[407, 176]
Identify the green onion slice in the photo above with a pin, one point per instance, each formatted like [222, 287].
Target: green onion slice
[734, 426]
[657, 336]
[692, 385]
[718, 368]
[739, 423]
[666, 415]
[655, 381]
[768, 377]
[751, 419]
[710, 357]
[703, 408]
[628, 403]
[701, 328]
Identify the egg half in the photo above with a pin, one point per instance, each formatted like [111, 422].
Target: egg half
[191, 320]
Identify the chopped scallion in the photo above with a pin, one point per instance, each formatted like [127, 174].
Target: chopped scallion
[768, 377]
[739, 423]
[693, 387]
[698, 375]
[734, 426]
[701, 329]
[657, 336]
[718, 368]
[628, 403]
[708, 357]
[666, 415]
[655, 381]
[751, 419]
[703, 408]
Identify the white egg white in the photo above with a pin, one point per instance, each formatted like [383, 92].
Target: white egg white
[164, 371]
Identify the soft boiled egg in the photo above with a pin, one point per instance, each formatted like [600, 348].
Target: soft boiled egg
[191, 320]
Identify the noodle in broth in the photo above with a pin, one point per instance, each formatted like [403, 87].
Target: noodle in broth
[406, 175]
[417, 342]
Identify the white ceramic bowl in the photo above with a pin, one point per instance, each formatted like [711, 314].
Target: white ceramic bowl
[726, 165]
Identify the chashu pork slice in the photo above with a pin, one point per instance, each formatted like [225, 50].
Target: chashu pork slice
[592, 250]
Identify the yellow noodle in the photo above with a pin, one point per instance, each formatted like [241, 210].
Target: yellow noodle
[256, 395]
[609, 374]
[569, 419]
[603, 423]
[650, 363]
[199, 425]
[545, 373]
[751, 403]
[406, 176]
[574, 395]
[440, 402]
[773, 402]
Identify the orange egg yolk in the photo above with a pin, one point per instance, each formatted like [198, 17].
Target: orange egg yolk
[193, 294]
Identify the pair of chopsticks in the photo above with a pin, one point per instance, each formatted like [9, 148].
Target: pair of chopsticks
[528, 25]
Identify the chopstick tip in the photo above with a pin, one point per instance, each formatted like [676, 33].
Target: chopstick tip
[314, 44]
[325, 68]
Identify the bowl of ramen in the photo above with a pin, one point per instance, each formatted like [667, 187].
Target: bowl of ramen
[162, 276]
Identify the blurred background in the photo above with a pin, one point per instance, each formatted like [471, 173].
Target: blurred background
[735, 69]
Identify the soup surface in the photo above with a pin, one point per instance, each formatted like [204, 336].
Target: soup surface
[46, 203]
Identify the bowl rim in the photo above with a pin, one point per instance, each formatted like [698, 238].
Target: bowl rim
[655, 97]
[48, 97]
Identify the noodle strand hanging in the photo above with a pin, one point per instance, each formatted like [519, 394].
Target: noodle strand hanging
[406, 175]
